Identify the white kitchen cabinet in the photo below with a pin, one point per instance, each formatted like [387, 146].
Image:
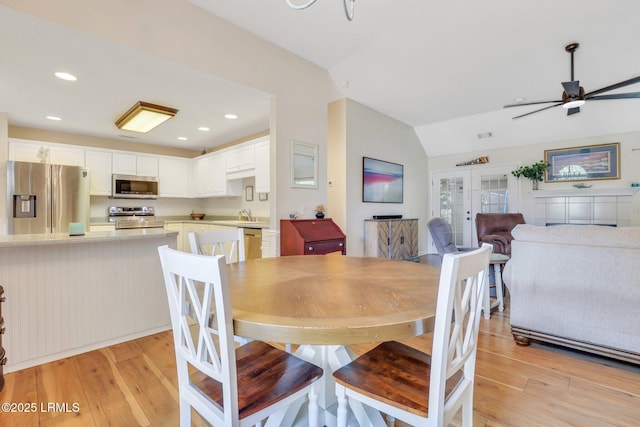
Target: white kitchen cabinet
[132, 164]
[199, 184]
[173, 176]
[21, 150]
[219, 185]
[147, 165]
[240, 159]
[99, 164]
[262, 166]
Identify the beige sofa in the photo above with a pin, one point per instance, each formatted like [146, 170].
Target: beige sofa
[577, 286]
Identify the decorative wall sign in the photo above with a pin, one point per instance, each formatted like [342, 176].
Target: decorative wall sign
[478, 161]
[248, 193]
[583, 163]
[263, 197]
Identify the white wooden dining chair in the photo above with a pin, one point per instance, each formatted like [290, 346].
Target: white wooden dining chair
[418, 388]
[230, 387]
[229, 243]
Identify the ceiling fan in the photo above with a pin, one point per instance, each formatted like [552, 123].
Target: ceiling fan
[574, 96]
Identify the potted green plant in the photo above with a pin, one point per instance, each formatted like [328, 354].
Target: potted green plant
[534, 172]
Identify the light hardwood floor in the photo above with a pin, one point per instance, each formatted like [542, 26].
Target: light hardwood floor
[134, 384]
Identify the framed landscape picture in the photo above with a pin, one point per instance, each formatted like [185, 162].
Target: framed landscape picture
[382, 182]
[583, 163]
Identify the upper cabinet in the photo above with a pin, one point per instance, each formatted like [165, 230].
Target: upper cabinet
[239, 160]
[262, 166]
[99, 164]
[217, 174]
[45, 152]
[173, 173]
[133, 164]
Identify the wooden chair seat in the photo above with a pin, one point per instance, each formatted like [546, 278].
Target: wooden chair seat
[266, 375]
[402, 377]
[417, 388]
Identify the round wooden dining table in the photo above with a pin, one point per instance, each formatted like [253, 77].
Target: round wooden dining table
[326, 303]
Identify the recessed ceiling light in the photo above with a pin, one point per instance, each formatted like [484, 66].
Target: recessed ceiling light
[183, 138]
[65, 76]
[483, 135]
[204, 129]
[231, 116]
[56, 118]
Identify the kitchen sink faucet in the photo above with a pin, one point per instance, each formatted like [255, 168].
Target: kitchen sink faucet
[245, 213]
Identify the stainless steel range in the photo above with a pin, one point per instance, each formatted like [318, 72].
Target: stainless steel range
[138, 217]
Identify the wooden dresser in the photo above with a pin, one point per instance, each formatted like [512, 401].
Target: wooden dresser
[3, 359]
[311, 237]
[391, 238]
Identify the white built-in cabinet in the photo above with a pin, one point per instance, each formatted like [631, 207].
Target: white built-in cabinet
[40, 152]
[240, 159]
[135, 164]
[262, 166]
[99, 164]
[217, 174]
[173, 175]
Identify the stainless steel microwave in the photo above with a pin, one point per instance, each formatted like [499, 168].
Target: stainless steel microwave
[134, 187]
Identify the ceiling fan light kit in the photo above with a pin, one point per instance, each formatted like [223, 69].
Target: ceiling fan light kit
[574, 95]
[348, 6]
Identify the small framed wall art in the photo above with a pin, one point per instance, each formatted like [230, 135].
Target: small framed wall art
[248, 193]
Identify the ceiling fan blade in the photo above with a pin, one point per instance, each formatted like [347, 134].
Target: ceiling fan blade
[535, 111]
[615, 86]
[571, 111]
[530, 103]
[572, 88]
[615, 96]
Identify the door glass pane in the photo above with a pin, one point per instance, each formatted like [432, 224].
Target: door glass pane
[452, 206]
[494, 194]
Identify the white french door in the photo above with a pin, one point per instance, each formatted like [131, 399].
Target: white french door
[458, 195]
[451, 201]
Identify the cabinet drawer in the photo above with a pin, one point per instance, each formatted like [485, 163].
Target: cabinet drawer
[324, 247]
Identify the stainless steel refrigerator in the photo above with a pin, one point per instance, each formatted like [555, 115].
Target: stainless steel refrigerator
[44, 198]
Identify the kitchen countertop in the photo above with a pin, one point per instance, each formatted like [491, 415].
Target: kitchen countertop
[16, 240]
[187, 219]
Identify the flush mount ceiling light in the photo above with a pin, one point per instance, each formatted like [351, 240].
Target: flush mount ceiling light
[348, 6]
[144, 116]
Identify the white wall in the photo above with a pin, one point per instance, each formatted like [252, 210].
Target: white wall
[357, 131]
[527, 154]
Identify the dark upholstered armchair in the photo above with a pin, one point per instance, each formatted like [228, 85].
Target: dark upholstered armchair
[495, 228]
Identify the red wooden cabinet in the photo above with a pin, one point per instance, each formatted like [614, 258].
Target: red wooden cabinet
[311, 237]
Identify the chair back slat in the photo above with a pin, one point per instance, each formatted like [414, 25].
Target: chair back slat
[463, 278]
[197, 286]
[229, 243]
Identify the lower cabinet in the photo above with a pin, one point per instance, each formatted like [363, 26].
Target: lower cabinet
[391, 238]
